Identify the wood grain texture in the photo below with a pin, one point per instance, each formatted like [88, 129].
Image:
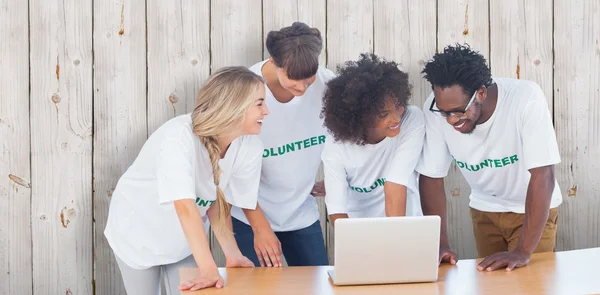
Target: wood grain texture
[15, 174]
[406, 34]
[577, 121]
[349, 30]
[464, 21]
[521, 41]
[548, 273]
[119, 117]
[61, 146]
[178, 57]
[236, 33]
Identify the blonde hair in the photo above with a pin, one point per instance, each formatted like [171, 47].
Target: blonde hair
[220, 107]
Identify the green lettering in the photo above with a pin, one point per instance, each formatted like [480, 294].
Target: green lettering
[467, 166]
[513, 159]
[498, 163]
[281, 150]
[358, 189]
[484, 163]
[473, 169]
[505, 161]
[366, 190]
[313, 140]
[298, 144]
[321, 139]
[290, 147]
[203, 203]
[266, 153]
[306, 143]
[374, 186]
[381, 181]
[460, 164]
[211, 202]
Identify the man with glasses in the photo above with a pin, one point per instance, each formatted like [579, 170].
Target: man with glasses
[499, 133]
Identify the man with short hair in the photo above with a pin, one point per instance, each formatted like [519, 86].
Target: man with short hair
[499, 132]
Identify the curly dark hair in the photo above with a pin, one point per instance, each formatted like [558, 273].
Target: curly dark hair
[458, 65]
[357, 95]
[296, 48]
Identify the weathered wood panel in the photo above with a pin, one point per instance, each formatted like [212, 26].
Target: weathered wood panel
[178, 57]
[119, 117]
[405, 32]
[349, 30]
[61, 146]
[236, 40]
[521, 41]
[236, 33]
[464, 21]
[15, 174]
[577, 121]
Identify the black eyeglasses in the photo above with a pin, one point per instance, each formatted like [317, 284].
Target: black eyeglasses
[454, 114]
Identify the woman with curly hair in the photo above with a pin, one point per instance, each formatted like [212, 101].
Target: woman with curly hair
[286, 219]
[377, 140]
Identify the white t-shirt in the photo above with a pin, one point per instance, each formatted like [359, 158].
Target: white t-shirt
[293, 137]
[495, 159]
[143, 228]
[355, 175]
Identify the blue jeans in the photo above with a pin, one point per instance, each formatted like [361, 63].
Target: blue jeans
[303, 247]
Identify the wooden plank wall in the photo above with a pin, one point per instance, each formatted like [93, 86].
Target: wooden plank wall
[120, 119]
[15, 166]
[577, 120]
[95, 78]
[61, 145]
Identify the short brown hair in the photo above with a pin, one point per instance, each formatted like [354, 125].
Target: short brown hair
[296, 49]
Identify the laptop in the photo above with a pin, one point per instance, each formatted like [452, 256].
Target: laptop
[386, 250]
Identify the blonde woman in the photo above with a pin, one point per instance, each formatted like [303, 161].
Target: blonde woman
[188, 171]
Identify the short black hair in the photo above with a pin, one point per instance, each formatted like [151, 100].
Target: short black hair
[357, 95]
[296, 49]
[458, 65]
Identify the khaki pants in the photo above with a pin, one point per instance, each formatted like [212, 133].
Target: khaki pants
[497, 232]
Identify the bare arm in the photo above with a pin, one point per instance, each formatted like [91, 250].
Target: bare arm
[395, 199]
[225, 238]
[257, 219]
[193, 228]
[433, 201]
[266, 244]
[537, 204]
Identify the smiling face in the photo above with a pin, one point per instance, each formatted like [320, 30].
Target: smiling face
[387, 122]
[454, 104]
[255, 112]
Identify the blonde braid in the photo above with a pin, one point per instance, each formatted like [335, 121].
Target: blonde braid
[223, 208]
